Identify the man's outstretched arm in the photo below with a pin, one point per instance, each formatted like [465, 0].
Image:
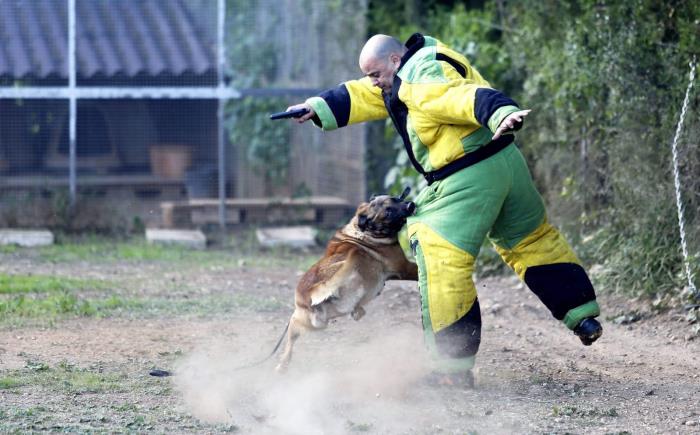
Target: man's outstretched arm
[348, 103]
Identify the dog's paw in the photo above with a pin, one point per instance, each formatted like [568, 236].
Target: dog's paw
[358, 313]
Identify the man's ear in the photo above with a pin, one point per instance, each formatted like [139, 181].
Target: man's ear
[362, 221]
[395, 58]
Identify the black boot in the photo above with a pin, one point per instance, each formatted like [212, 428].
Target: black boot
[589, 330]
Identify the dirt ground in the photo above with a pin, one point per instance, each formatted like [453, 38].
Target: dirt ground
[533, 375]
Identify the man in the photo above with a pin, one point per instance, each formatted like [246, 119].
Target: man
[456, 131]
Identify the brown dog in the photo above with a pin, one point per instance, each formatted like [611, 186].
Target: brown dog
[359, 259]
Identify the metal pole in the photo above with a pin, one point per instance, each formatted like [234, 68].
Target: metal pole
[72, 103]
[221, 19]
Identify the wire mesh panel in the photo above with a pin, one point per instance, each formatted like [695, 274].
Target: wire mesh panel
[294, 45]
[136, 122]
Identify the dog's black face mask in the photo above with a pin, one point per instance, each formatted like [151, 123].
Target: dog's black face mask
[384, 215]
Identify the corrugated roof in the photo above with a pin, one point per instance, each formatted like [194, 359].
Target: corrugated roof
[124, 38]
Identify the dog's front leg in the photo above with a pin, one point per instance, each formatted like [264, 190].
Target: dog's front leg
[357, 313]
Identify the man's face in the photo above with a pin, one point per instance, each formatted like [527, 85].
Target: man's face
[381, 71]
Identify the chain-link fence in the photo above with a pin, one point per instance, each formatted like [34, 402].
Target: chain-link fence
[111, 110]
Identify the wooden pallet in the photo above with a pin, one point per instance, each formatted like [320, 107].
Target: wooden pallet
[323, 211]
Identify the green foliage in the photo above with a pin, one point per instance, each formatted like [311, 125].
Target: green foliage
[641, 255]
[266, 145]
[253, 59]
[605, 81]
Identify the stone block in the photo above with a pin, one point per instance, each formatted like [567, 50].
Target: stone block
[189, 238]
[294, 236]
[26, 238]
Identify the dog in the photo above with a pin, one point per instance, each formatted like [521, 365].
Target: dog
[359, 259]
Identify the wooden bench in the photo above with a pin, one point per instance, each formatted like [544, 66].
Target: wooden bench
[323, 211]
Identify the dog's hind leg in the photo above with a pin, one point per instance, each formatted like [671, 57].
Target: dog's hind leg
[293, 333]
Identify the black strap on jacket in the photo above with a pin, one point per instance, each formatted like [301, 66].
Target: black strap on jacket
[469, 159]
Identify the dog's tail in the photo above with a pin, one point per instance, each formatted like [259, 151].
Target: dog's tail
[277, 346]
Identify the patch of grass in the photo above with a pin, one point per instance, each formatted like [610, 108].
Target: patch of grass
[51, 306]
[126, 407]
[358, 427]
[13, 284]
[8, 249]
[204, 306]
[83, 381]
[19, 309]
[97, 250]
[32, 411]
[91, 400]
[572, 411]
[36, 366]
[65, 378]
[29, 309]
[9, 382]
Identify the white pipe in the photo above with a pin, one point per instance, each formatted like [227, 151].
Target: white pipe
[191, 92]
[221, 53]
[73, 107]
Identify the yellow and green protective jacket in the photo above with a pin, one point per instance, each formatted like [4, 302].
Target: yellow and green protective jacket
[440, 105]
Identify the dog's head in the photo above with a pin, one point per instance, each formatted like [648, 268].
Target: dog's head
[384, 216]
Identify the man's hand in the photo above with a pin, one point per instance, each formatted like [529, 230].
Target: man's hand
[512, 122]
[302, 119]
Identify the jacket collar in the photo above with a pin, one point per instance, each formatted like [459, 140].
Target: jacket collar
[414, 43]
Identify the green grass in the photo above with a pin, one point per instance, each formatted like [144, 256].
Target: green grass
[573, 411]
[27, 299]
[8, 382]
[63, 378]
[97, 250]
[23, 310]
[13, 284]
[92, 400]
[8, 249]
[101, 251]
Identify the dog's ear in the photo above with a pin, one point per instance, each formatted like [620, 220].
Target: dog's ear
[363, 208]
[362, 221]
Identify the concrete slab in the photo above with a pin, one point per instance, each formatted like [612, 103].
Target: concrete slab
[295, 236]
[189, 238]
[26, 238]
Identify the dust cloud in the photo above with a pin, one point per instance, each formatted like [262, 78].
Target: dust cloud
[334, 385]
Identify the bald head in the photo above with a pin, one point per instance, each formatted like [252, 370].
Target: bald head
[381, 47]
[380, 59]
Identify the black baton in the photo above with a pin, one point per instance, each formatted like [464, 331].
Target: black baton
[296, 113]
